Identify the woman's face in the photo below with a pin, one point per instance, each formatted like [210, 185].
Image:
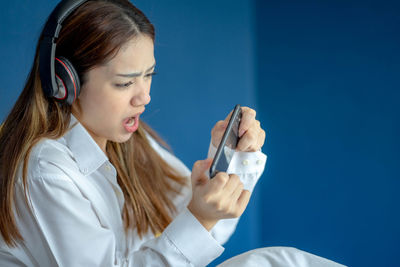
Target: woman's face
[115, 94]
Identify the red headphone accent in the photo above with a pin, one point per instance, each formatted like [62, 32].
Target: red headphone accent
[72, 78]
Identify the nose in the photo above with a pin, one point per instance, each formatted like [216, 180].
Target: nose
[142, 98]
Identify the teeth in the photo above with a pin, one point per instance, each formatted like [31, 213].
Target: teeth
[130, 122]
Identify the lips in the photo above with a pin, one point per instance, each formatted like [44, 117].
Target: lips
[131, 124]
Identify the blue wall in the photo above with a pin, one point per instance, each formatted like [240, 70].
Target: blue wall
[324, 79]
[328, 93]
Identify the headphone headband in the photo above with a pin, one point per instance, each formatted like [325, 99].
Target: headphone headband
[48, 46]
[59, 14]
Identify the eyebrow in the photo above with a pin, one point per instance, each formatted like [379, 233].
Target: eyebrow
[135, 74]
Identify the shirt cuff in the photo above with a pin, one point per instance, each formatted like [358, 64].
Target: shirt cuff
[192, 239]
[247, 162]
[248, 165]
[243, 162]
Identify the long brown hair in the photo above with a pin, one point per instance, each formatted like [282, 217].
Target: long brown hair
[91, 36]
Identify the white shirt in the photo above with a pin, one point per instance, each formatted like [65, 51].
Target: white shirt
[77, 204]
[278, 257]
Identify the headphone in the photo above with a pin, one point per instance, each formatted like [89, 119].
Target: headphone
[59, 78]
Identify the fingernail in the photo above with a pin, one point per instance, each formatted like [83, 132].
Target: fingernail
[241, 132]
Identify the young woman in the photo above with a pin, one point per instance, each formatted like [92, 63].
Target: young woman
[83, 181]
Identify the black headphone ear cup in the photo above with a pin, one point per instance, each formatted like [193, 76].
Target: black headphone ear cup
[67, 80]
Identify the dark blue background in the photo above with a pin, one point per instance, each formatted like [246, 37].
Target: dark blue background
[324, 78]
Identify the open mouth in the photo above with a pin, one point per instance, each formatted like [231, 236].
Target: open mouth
[131, 124]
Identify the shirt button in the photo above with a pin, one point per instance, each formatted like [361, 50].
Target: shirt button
[259, 162]
[245, 162]
[108, 168]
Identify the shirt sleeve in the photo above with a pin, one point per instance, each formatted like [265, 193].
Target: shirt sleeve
[186, 242]
[64, 230]
[248, 166]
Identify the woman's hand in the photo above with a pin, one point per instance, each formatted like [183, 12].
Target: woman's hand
[252, 136]
[218, 198]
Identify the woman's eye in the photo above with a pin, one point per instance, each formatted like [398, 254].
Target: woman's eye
[149, 75]
[123, 85]
[126, 85]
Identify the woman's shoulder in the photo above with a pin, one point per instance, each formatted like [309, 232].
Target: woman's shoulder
[50, 148]
[50, 158]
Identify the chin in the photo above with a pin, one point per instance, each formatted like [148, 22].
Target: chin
[122, 138]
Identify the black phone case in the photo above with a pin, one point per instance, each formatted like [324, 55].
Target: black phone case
[236, 115]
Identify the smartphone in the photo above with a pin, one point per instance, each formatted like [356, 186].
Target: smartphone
[227, 146]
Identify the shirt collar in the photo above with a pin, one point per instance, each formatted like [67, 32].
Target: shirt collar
[87, 153]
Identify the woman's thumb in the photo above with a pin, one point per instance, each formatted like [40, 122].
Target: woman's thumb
[199, 170]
